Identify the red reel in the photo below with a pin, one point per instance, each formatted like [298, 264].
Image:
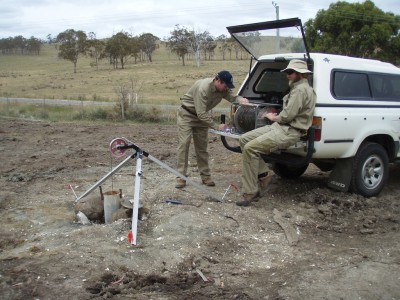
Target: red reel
[115, 151]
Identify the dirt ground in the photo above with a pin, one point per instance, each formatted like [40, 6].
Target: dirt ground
[301, 241]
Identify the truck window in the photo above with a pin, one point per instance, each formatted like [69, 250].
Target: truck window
[385, 87]
[271, 80]
[350, 85]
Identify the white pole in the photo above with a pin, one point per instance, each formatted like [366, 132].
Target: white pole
[278, 46]
[135, 213]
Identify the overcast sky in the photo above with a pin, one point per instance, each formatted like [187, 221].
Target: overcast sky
[40, 18]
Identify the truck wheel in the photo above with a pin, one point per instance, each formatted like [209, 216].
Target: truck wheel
[288, 172]
[370, 170]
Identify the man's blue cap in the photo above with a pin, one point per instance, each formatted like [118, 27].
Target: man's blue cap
[226, 78]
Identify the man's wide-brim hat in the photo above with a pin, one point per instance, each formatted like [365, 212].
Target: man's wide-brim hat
[298, 66]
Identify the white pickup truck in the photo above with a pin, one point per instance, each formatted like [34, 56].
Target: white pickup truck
[356, 126]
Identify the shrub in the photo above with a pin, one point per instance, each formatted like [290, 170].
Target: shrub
[143, 114]
[42, 114]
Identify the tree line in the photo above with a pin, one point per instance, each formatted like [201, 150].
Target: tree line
[20, 45]
[184, 42]
[353, 29]
[72, 44]
[122, 46]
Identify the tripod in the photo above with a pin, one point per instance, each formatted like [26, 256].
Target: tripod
[118, 148]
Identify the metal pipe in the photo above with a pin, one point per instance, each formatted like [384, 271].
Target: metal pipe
[105, 177]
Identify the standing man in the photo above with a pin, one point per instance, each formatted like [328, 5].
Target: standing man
[291, 123]
[194, 120]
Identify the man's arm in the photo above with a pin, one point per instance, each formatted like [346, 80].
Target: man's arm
[290, 111]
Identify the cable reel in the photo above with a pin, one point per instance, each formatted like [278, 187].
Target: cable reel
[249, 117]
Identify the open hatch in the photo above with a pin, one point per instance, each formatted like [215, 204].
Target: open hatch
[273, 37]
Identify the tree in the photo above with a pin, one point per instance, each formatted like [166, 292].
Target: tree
[136, 48]
[356, 29]
[20, 43]
[33, 45]
[95, 48]
[196, 43]
[50, 39]
[148, 44]
[178, 42]
[236, 47]
[209, 46]
[222, 40]
[394, 53]
[72, 44]
[119, 48]
[183, 42]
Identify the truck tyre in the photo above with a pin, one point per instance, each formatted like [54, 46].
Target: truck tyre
[288, 172]
[370, 170]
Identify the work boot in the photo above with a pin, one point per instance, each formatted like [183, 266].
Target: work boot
[208, 182]
[265, 183]
[247, 199]
[180, 183]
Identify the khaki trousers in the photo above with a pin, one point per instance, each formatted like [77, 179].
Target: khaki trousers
[262, 140]
[189, 126]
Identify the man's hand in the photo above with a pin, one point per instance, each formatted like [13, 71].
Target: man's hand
[244, 101]
[222, 127]
[270, 116]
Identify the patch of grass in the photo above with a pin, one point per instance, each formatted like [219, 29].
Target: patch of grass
[97, 114]
[134, 114]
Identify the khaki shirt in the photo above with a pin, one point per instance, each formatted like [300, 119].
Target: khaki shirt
[298, 106]
[202, 97]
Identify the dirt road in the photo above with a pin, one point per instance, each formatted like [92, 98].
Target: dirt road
[302, 241]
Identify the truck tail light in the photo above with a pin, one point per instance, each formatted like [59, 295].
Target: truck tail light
[317, 124]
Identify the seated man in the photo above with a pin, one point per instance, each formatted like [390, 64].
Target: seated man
[288, 127]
